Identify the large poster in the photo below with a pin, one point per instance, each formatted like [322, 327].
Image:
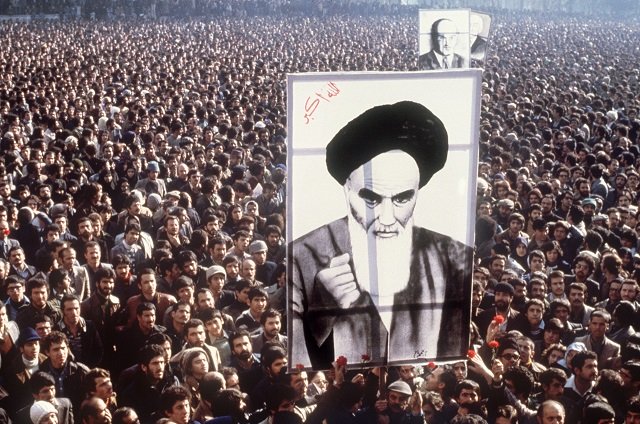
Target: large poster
[382, 177]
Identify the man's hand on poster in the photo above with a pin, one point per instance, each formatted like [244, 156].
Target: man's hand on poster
[339, 281]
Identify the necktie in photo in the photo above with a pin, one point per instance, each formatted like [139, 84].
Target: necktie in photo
[445, 62]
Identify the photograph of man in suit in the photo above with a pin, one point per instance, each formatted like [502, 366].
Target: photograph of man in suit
[372, 282]
[444, 39]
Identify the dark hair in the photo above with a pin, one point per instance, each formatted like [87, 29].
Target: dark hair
[522, 379]
[39, 380]
[581, 358]
[171, 395]
[56, 337]
[148, 352]
[145, 306]
[466, 384]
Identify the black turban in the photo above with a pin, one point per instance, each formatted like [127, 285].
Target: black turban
[406, 126]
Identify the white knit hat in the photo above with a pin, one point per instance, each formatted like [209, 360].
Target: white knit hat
[41, 409]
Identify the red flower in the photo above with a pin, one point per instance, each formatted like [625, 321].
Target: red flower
[432, 366]
[341, 361]
[493, 344]
[498, 319]
[471, 353]
[300, 367]
[365, 357]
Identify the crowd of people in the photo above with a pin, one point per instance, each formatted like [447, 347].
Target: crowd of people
[142, 225]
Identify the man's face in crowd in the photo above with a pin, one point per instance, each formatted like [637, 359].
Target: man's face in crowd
[39, 296]
[17, 258]
[148, 285]
[467, 397]
[242, 348]
[214, 326]
[273, 239]
[15, 291]
[155, 369]
[547, 205]
[628, 292]
[104, 387]
[258, 304]
[277, 365]
[85, 229]
[43, 328]
[497, 267]
[219, 252]
[576, 297]
[58, 353]
[241, 243]
[272, 327]
[71, 311]
[249, 270]
[526, 350]
[105, 286]
[557, 286]
[190, 268]
[597, 327]
[199, 366]
[538, 291]
[502, 300]
[205, 300]
[31, 349]
[68, 258]
[122, 270]
[196, 336]
[147, 320]
[534, 314]
[460, 370]
[581, 269]
[46, 394]
[173, 227]
[232, 269]
[300, 382]
[589, 371]
[92, 255]
[559, 233]
[181, 315]
[216, 283]
[510, 358]
[382, 193]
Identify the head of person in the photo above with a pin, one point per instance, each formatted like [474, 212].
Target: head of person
[444, 36]
[398, 394]
[404, 140]
[585, 366]
[467, 392]
[194, 332]
[504, 293]
[125, 415]
[280, 397]
[42, 386]
[194, 363]
[146, 316]
[151, 359]
[175, 401]
[273, 359]
[240, 343]
[98, 383]
[552, 381]
[43, 412]
[550, 412]
[271, 322]
[258, 299]
[56, 346]
[519, 381]
[147, 282]
[95, 411]
[508, 352]
[599, 323]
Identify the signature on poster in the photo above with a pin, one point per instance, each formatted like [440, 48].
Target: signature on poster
[313, 101]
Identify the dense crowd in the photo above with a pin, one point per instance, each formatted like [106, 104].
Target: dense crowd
[142, 225]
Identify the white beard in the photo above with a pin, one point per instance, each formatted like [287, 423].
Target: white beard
[381, 265]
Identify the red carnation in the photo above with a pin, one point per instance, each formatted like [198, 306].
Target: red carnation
[431, 366]
[471, 353]
[341, 361]
[300, 367]
[498, 319]
[365, 357]
[493, 344]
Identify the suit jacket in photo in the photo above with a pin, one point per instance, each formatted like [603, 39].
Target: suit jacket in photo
[429, 60]
[610, 350]
[436, 260]
[6, 245]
